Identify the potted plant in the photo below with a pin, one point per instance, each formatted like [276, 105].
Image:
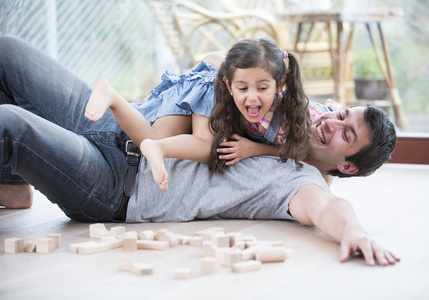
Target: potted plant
[369, 80]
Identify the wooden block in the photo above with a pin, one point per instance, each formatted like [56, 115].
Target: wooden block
[169, 237]
[235, 238]
[183, 239]
[270, 254]
[232, 257]
[132, 234]
[130, 243]
[45, 245]
[153, 245]
[182, 273]
[209, 265]
[112, 242]
[239, 245]
[208, 249]
[249, 253]
[196, 241]
[56, 237]
[117, 231]
[30, 247]
[246, 266]
[141, 268]
[13, 245]
[124, 262]
[98, 230]
[92, 247]
[248, 238]
[220, 240]
[160, 233]
[147, 235]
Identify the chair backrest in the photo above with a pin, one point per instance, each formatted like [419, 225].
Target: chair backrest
[193, 31]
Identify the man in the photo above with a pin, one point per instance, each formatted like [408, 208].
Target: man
[46, 141]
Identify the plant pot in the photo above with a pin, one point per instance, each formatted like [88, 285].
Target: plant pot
[372, 89]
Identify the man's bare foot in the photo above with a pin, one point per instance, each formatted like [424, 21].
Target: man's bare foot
[153, 153]
[100, 100]
[16, 196]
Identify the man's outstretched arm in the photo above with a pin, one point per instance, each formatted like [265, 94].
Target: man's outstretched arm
[335, 217]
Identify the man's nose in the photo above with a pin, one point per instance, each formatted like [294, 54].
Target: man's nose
[333, 124]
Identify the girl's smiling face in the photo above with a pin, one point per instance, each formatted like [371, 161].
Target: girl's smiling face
[253, 90]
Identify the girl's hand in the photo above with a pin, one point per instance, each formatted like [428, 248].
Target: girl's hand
[236, 150]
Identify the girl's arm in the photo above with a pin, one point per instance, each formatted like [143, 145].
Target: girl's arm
[335, 217]
[241, 148]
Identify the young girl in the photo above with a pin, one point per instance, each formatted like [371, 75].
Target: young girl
[250, 98]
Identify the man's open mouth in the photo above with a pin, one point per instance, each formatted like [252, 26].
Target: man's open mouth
[320, 134]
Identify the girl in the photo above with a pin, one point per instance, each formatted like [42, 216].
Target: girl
[250, 98]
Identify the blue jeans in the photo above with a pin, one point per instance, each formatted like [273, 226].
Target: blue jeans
[46, 141]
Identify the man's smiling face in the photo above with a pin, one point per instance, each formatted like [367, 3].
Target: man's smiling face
[337, 135]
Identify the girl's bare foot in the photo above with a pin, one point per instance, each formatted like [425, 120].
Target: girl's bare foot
[16, 196]
[154, 154]
[99, 100]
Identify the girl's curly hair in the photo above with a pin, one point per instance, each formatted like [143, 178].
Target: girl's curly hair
[291, 112]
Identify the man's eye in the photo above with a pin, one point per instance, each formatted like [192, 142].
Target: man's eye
[346, 138]
[340, 117]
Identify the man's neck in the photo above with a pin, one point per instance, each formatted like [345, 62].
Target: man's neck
[323, 168]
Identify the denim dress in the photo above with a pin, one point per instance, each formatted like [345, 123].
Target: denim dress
[192, 92]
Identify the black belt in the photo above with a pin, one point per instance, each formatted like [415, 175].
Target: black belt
[132, 153]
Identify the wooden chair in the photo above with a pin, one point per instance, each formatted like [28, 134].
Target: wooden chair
[193, 31]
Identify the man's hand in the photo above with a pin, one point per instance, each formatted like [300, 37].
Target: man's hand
[236, 150]
[354, 240]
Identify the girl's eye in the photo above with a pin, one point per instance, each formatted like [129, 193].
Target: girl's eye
[263, 88]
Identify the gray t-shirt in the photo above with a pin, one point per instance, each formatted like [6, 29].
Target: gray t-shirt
[254, 188]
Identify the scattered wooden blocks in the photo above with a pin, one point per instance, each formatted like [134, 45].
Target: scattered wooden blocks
[13, 245]
[147, 235]
[196, 241]
[117, 231]
[220, 240]
[153, 245]
[270, 254]
[98, 230]
[208, 249]
[56, 237]
[88, 247]
[246, 266]
[169, 237]
[183, 239]
[45, 245]
[141, 268]
[112, 242]
[30, 247]
[235, 239]
[130, 243]
[182, 273]
[209, 265]
[160, 233]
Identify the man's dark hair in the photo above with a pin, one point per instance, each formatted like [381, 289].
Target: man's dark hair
[383, 142]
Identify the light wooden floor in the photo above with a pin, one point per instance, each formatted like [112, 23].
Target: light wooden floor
[392, 204]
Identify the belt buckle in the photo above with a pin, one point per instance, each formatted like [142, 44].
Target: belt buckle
[132, 149]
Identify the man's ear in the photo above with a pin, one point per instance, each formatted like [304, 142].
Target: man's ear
[348, 168]
[227, 84]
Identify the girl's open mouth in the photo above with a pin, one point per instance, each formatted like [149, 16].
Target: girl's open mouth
[253, 111]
